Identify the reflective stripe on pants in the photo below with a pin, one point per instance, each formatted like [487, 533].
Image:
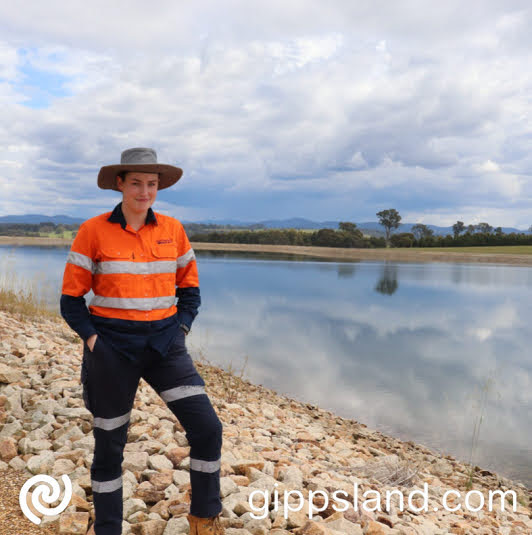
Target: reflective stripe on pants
[110, 383]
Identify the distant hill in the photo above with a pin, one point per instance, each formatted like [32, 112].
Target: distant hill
[295, 222]
[39, 218]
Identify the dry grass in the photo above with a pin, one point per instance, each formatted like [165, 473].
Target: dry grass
[391, 472]
[232, 380]
[229, 380]
[483, 249]
[500, 255]
[24, 305]
[33, 240]
[22, 298]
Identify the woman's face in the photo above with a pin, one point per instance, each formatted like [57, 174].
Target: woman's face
[139, 190]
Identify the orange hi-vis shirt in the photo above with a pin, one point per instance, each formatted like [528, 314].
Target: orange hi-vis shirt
[133, 274]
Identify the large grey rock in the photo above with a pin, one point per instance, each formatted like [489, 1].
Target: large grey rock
[38, 446]
[135, 461]
[71, 413]
[12, 429]
[14, 405]
[42, 463]
[9, 374]
[171, 491]
[181, 477]
[85, 443]
[42, 418]
[227, 486]
[17, 463]
[177, 526]
[129, 484]
[181, 439]
[132, 505]
[160, 462]
[266, 483]
[257, 526]
[293, 478]
[33, 343]
[62, 466]
[344, 526]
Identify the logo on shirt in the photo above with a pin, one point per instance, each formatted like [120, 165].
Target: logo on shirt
[164, 241]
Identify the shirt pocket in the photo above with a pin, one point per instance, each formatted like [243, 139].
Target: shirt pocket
[113, 261]
[164, 251]
[164, 265]
[115, 253]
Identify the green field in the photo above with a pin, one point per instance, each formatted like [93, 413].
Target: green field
[66, 235]
[481, 249]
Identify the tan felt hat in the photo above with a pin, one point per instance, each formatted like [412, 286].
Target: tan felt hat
[143, 160]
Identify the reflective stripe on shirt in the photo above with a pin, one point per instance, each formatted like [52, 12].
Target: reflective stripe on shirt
[138, 268]
[136, 303]
[183, 260]
[80, 260]
[135, 268]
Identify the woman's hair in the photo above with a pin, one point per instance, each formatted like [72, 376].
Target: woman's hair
[123, 174]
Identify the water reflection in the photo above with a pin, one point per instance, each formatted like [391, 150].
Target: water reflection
[410, 366]
[405, 348]
[346, 271]
[387, 284]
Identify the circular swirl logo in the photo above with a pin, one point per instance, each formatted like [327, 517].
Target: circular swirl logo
[43, 491]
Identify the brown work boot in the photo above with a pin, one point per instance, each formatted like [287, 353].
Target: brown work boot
[205, 526]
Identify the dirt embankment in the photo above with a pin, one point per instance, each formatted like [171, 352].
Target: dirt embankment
[399, 255]
[333, 253]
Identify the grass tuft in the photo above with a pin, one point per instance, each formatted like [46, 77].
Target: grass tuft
[391, 472]
[22, 298]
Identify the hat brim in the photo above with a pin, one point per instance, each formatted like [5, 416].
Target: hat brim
[168, 174]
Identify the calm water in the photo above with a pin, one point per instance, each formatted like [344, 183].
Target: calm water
[405, 348]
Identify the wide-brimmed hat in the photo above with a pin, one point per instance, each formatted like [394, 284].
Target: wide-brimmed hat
[142, 160]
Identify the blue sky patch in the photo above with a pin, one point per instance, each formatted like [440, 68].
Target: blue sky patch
[39, 87]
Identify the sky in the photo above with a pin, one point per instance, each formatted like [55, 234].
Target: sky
[324, 110]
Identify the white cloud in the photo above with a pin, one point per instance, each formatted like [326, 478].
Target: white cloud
[488, 167]
[518, 217]
[410, 106]
[8, 61]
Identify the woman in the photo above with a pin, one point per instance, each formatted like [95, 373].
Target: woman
[133, 259]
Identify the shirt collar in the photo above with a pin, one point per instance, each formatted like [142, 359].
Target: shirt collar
[117, 216]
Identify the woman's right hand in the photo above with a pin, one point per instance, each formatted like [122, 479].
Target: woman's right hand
[91, 341]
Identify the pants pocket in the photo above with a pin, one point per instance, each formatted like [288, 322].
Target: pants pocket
[179, 339]
[85, 380]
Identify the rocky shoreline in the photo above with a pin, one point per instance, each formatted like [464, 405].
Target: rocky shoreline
[271, 443]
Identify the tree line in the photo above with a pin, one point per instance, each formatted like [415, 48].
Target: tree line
[347, 235]
[463, 236]
[35, 229]
[350, 236]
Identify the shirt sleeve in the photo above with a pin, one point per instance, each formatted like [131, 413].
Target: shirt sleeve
[187, 282]
[187, 270]
[77, 281]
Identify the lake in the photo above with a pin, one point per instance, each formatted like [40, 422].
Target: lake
[417, 350]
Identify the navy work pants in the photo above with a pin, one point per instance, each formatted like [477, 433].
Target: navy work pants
[110, 382]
